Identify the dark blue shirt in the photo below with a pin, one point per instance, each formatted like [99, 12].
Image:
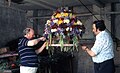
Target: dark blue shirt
[28, 56]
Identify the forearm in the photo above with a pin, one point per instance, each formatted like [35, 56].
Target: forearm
[90, 52]
[33, 42]
[41, 48]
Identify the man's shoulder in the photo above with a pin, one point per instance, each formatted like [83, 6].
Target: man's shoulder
[22, 38]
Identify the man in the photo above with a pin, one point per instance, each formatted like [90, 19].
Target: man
[28, 55]
[102, 50]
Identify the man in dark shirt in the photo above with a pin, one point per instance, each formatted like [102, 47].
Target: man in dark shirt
[28, 54]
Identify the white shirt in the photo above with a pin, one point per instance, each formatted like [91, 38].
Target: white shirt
[103, 47]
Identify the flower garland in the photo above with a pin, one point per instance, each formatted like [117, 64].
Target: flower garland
[62, 27]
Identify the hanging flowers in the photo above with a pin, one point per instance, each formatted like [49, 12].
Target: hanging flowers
[62, 27]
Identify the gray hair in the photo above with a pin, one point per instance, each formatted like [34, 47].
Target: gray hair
[26, 31]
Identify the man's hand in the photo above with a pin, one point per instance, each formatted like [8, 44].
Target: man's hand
[42, 38]
[84, 47]
[90, 52]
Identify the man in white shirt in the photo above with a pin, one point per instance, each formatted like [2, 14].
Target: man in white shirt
[102, 50]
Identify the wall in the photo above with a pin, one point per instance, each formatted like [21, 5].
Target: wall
[12, 23]
[117, 35]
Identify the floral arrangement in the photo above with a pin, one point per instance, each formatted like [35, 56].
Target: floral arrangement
[63, 27]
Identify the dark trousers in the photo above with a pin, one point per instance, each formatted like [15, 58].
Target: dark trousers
[105, 67]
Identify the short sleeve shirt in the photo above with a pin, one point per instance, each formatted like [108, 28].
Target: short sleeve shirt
[103, 47]
[28, 56]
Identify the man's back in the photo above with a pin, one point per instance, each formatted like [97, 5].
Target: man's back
[28, 56]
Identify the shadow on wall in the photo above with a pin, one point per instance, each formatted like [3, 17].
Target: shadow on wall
[13, 44]
[16, 1]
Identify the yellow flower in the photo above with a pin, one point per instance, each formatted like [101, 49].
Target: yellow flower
[70, 15]
[60, 21]
[66, 14]
[58, 15]
[75, 23]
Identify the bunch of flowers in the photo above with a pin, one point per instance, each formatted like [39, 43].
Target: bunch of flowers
[62, 27]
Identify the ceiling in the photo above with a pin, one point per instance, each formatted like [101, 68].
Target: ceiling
[54, 4]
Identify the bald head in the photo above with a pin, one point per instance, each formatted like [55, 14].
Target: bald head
[28, 32]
